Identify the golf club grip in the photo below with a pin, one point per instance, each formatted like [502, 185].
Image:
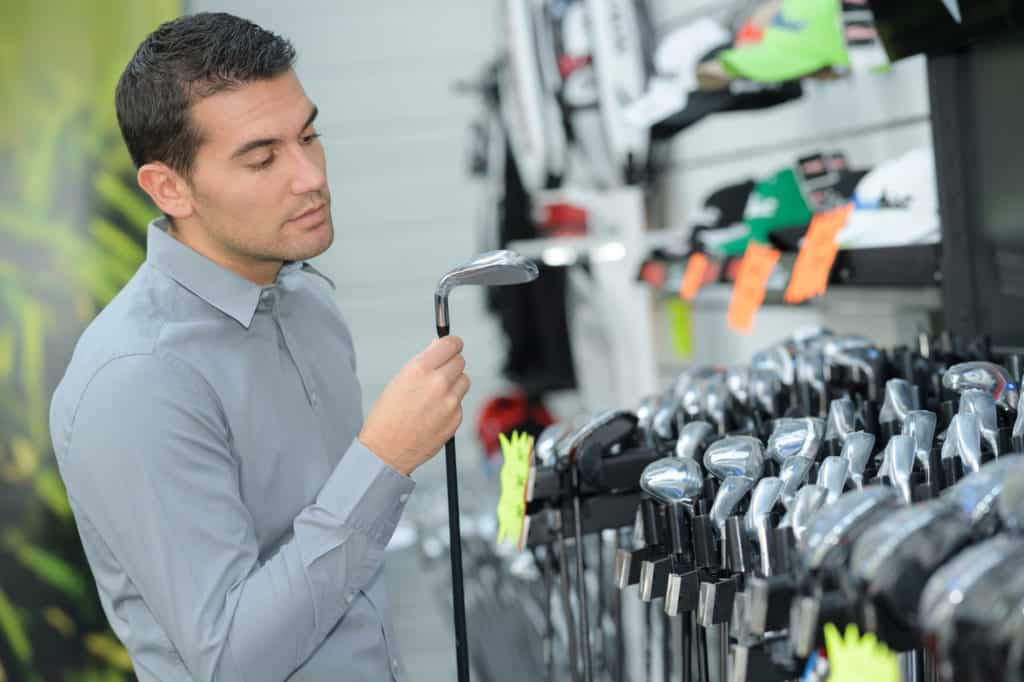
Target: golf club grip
[455, 544]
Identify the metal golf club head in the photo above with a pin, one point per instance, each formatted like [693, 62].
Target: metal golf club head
[778, 361]
[832, 477]
[491, 269]
[857, 451]
[945, 590]
[758, 519]
[807, 501]
[672, 480]
[737, 379]
[810, 335]
[1010, 505]
[691, 401]
[1018, 423]
[798, 436]
[716, 402]
[730, 493]
[853, 352]
[920, 425]
[663, 421]
[793, 474]
[582, 428]
[963, 440]
[764, 387]
[842, 419]
[898, 464]
[986, 496]
[691, 437]
[983, 407]
[831, 528]
[693, 376]
[985, 376]
[544, 449]
[900, 398]
[735, 456]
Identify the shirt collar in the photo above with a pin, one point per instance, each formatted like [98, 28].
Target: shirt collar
[230, 293]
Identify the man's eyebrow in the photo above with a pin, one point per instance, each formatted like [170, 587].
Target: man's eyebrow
[267, 141]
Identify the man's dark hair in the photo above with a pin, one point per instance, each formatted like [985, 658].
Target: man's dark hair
[181, 62]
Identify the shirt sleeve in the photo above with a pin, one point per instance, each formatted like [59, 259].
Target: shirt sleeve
[149, 463]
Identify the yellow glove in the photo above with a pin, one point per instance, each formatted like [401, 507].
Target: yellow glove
[517, 452]
[852, 658]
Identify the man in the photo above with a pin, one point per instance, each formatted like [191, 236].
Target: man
[233, 504]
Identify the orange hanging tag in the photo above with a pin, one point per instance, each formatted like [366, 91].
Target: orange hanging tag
[817, 255]
[696, 268]
[748, 293]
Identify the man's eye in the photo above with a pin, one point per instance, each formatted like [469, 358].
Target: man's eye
[308, 139]
[263, 164]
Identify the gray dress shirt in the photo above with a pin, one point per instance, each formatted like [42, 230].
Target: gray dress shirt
[205, 431]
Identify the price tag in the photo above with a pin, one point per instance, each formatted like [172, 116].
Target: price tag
[751, 281]
[517, 451]
[817, 255]
[852, 658]
[693, 280]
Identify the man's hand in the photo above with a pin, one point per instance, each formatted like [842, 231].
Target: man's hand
[420, 409]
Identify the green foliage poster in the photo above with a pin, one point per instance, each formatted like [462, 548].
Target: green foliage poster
[72, 231]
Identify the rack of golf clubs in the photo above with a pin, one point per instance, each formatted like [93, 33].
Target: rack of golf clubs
[827, 482]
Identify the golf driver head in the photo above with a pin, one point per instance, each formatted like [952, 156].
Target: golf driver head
[672, 480]
[793, 474]
[835, 526]
[898, 464]
[983, 407]
[806, 503]
[842, 419]
[920, 425]
[984, 376]
[857, 451]
[832, 477]
[493, 268]
[795, 436]
[900, 398]
[735, 456]
[692, 437]
[730, 493]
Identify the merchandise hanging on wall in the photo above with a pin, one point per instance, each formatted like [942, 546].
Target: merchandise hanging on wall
[72, 231]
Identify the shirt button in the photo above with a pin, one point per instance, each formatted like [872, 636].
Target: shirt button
[350, 596]
[394, 664]
[313, 399]
[403, 498]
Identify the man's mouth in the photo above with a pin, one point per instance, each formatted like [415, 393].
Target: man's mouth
[316, 210]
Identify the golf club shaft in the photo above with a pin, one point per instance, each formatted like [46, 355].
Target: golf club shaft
[588, 672]
[455, 543]
[455, 548]
[570, 620]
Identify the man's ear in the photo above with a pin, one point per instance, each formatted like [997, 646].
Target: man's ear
[168, 190]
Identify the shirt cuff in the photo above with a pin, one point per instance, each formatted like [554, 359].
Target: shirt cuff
[365, 493]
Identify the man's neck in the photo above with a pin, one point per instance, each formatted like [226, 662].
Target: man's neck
[261, 273]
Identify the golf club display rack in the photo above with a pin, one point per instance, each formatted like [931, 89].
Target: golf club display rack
[829, 481]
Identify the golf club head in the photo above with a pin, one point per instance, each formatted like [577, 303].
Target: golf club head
[735, 456]
[692, 376]
[810, 367]
[568, 447]
[793, 474]
[980, 496]
[810, 335]
[984, 376]
[737, 379]
[730, 493]
[778, 361]
[963, 440]
[1010, 504]
[983, 407]
[842, 419]
[857, 451]
[1018, 423]
[493, 268]
[663, 421]
[920, 425]
[691, 401]
[898, 464]
[796, 436]
[764, 387]
[692, 437]
[835, 526]
[900, 398]
[672, 480]
[544, 449]
[806, 503]
[945, 590]
[716, 402]
[767, 494]
[832, 477]
[645, 412]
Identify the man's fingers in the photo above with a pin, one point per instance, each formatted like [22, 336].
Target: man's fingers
[452, 369]
[461, 386]
[440, 351]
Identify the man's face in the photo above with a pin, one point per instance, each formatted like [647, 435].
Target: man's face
[258, 173]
